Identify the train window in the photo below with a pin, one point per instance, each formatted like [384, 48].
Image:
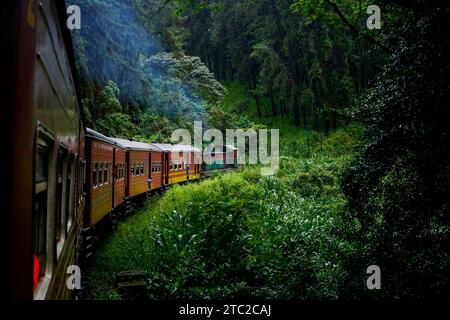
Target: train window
[95, 175]
[132, 168]
[100, 174]
[61, 199]
[40, 209]
[142, 169]
[70, 193]
[105, 173]
[171, 165]
[44, 209]
[80, 181]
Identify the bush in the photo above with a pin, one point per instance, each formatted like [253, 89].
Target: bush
[238, 235]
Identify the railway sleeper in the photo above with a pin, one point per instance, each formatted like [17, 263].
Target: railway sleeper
[132, 285]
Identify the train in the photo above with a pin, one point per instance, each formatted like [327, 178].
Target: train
[65, 181]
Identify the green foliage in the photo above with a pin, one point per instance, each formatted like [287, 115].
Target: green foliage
[238, 235]
[108, 99]
[117, 125]
[191, 72]
[280, 54]
[398, 188]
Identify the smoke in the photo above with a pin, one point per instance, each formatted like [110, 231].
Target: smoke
[115, 46]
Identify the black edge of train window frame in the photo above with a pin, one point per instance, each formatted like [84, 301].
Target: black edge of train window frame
[46, 139]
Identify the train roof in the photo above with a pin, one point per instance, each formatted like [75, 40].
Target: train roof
[136, 145]
[177, 147]
[98, 136]
[163, 146]
[226, 148]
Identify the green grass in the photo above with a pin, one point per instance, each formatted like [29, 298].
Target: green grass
[241, 235]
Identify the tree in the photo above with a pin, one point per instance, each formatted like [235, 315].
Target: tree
[108, 101]
[398, 204]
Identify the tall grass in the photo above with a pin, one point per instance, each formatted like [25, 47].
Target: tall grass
[241, 235]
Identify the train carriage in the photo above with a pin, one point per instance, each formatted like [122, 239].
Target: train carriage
[43, 147]
[219, 158]
[180, 163]
[63, 179]
[143, 161]
[100, 159]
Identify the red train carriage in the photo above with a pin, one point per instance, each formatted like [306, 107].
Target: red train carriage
[179, 161]
[141, 159]
[105, 159]
[42, 152]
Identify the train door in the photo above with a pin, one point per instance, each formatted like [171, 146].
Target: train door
[127, 174]
[166, 168]
[150, 169]
[114, 176]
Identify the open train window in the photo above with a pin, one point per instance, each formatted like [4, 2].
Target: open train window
[44, 206]
[61, 199]
[105, 173]
[142, 169]
[41, 208]
[80, 181]
[95, 175]
[100, 174]
[71, 198]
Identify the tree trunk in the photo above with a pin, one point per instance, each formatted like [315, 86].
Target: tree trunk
[258, 106]
[282, 111]
[334, 120]
[305, 118]
[272, 101]
[325, 122]
[296, 108]
[316, 119]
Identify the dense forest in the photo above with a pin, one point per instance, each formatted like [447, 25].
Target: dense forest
[306, 66]
[364, 177]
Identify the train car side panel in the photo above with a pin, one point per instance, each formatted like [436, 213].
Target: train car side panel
[138, 172]
[100, 171]
[119, 176]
